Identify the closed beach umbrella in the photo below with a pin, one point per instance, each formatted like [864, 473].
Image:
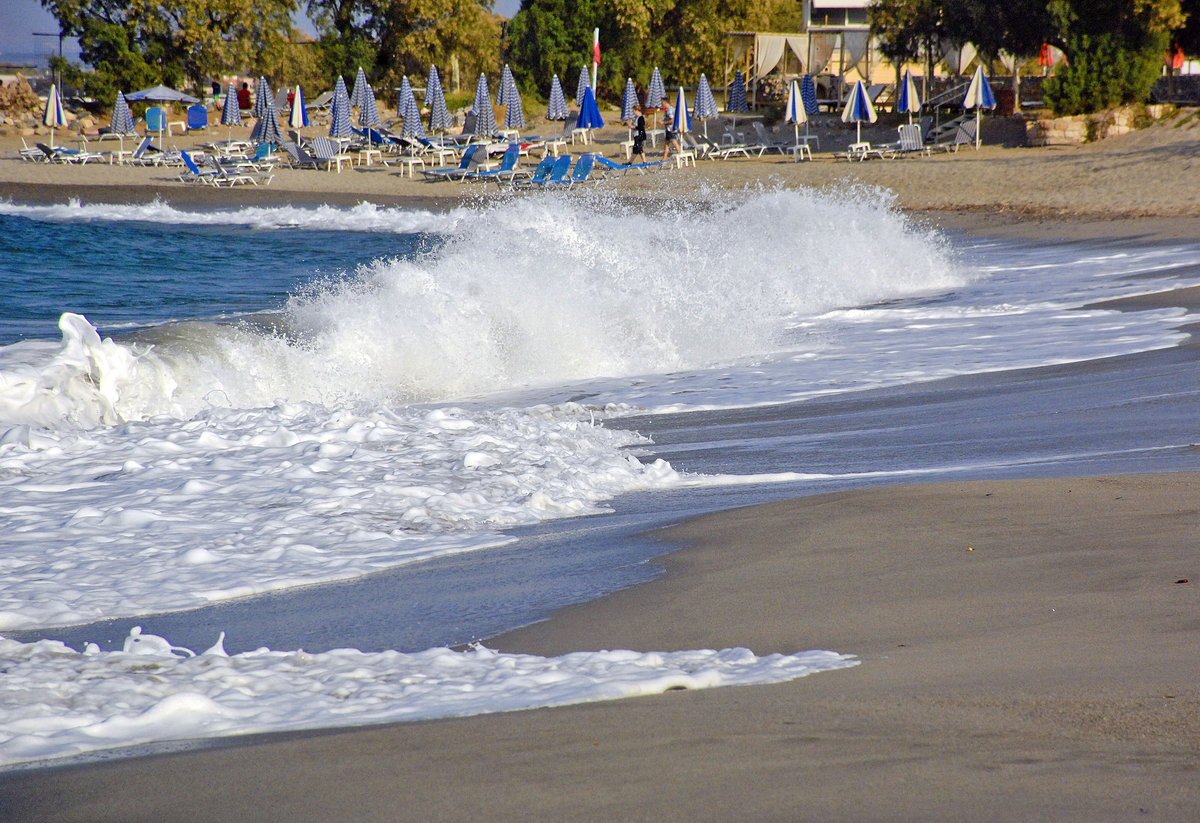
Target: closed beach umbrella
[683, 120]
[737, 95]
[506, 82]
[53, 116]
[412, 118]
[858, 108]
[514, 112]
[706, 104]
[979, 97]
[231, 113]
[485, 118]
[360, 87]
[368, 113]
[628, 100]
[556, 108]
[435, 101]
[121, 122]
[585, 82]
[808, 93]
[339, 111]
[405, 93]
[266, 128]
[589, 112]
[794, 112]
[656, 93]
[910, 101]
[262, 98]
[298, 114]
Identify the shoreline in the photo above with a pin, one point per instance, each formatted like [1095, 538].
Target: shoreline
[1027, 653]
[1006, 663]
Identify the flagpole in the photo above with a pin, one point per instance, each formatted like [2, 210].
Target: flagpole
[595, 57]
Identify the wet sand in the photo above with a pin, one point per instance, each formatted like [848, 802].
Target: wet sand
[1028, 647]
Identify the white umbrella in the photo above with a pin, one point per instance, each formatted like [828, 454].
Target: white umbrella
[298, 114]
[794, 113]
[910, 101]
[979, 96]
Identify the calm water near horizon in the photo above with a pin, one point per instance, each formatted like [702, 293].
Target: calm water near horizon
[383, 429]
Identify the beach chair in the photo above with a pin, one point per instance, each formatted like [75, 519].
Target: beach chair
[156, 119]
[580, 174]
[557, 173]
[329, 153]
[909, 142]
[556, 143]
[197, 117]
[472, 157]
[194, 174]
[540, 172]
[624, 168]
[964, 134]
[298, 157]
[768, 142]
[507, 164]
[60, 155]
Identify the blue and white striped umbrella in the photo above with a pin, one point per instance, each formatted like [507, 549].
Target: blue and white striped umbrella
[412, 117]
[266, 128]
[979, 96]
[339, 111]
[585, 82]
[794, 112]
[556, 109]
[231, 112]
[298, 113]
[360, 86]
[262, 98]
[506, 81]
[514, 112]
[435, 101]
[485, 118]
[53, 116]
[368, 113]
[706, 104]
[909, 102]
[628, 100]
[737, 95]
[589, 112]
[858, 108]
[405, 93]
[683, 120]
[808, 93]
[657, 92]
[121, 122]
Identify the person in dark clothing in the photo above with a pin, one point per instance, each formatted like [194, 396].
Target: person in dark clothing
[245, 101]
[639, 136]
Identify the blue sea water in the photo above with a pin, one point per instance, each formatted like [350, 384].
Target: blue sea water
[395, 429]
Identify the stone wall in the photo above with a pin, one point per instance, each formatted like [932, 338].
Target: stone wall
[1074, 131]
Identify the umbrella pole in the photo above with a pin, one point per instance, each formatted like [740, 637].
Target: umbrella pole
[978, 117]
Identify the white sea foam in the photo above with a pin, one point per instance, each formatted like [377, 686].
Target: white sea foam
[59, 703]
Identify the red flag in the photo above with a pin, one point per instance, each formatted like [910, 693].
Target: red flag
[596, 47]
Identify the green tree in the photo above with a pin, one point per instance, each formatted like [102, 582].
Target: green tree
[414, 34]
[348, 35]
[1018, 27]
[1114, 51]
[134, 43]
[908, 31]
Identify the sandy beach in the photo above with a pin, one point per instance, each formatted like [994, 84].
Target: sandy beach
[1027, 647]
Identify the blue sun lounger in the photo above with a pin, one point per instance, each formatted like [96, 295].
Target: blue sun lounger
[624, 167]
[556, 174]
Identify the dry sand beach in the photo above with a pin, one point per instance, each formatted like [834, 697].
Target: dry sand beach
[1028, 647]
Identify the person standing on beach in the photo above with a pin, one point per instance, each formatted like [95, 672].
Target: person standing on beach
[670, 137]
[639, 136]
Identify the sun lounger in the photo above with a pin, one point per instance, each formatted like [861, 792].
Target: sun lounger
[641, 168]
[909, 142]
[556, 174]
[298, 158]
[963, 135]
[507, 164]
[329, 153]
[472, 157]
[539, 173]
[61, 155]
[768, 142]
[580, 174]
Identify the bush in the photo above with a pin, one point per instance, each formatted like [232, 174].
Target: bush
[1102, 73]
